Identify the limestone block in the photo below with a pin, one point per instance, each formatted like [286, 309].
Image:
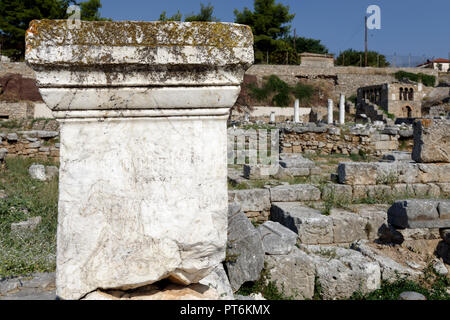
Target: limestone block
[286, 173]
[348, 227]
[342, 272]
[311, 226]
[338, 192]
[27, 225]
[390, 269]
[218, 280]
[397, 156]
[251, 199]
[259, 171]
[418, 213]
[296, 161]
[245, 253]
[142, 192]
[386, 145]
[430, 172]
[357, 173]
[431, 140]
[277, 239]
[293, 274]
[445, 189]
[297, 192]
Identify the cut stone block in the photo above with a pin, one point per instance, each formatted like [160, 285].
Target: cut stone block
[296, 161]
[259, 171]
[293, 274]
[338, 192]
[397, 156]
[355, 173]
[348, 227]
[390, 269]
[431, 140]
[297, 192]
[286, 173]
[245, 253]
[342, 272]
[142, 190]
[276, 238]
[251, 199]
[419, 213]
[311, 226]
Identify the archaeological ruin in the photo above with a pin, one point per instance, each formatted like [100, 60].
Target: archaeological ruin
[173, 182]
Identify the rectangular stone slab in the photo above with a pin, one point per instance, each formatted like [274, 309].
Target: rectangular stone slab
[130, 53]
[431, 140]
[419, 213]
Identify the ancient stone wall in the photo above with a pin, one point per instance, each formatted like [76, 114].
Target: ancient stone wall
[16, 110]
[346, 79]
[330, 139]
[36, 144]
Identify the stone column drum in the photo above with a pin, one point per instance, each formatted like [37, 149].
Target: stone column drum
[142, 108]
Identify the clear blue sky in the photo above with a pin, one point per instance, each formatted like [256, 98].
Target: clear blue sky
[416, 27]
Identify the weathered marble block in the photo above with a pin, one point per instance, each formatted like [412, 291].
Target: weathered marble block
[142, 108]
[431, 140]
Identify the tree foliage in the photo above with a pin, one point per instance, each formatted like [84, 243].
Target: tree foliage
[176, 17]
[280, 93]
[15, 17]
[352, 57]
[270, 24]
[205, 15]
[306, 45]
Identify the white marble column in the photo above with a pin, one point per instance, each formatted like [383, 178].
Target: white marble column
[297, 111]
[142, 108]
[330, 111]
[342, 109]
[272, 117]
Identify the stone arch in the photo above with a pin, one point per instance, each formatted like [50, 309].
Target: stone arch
[408, 112]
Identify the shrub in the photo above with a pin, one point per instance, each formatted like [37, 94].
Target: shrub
[427, 80]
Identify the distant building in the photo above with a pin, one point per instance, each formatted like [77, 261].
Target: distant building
[317, 60]
[442, 65]
[402, 100]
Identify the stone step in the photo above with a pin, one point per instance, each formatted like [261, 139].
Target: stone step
[313, 227]
[420, 213]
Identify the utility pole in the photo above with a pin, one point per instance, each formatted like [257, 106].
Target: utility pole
[365, 41]
[295, 47]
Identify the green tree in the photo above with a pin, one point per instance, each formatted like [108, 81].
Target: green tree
[206, 14]
[306, 45]
[15, 17]
[175, 17]
[270, 23]
[352, 57]
[90, 11]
